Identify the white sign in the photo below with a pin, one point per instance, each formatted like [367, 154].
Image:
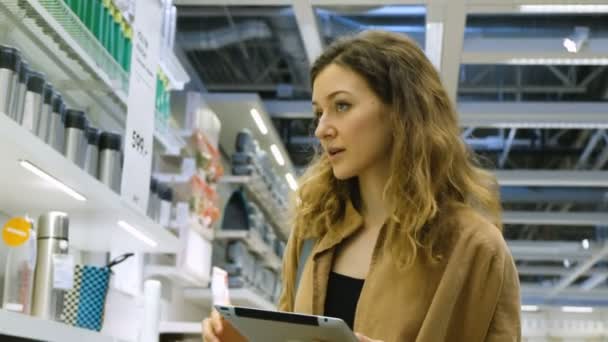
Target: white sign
[141, 104]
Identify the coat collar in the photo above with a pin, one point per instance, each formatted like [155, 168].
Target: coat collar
[351, 222]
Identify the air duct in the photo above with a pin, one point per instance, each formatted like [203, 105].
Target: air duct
[216, 39]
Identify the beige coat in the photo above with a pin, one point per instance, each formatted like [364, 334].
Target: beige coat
[472, 295]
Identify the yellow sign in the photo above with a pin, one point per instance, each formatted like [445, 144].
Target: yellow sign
[16, 231]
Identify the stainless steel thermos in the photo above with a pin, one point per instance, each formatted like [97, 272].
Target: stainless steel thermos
[10, 63]
[56, 134]
[75, 140]
[20, 91]
[45, 114]
[52, 241]
[33, 101]
[110, 160]
[92, 155]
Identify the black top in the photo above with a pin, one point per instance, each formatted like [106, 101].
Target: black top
[75, 119]
[342, 296]
[110, 141]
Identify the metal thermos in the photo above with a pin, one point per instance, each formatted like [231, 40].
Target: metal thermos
[45, 114]
[33, 101]
[52, 240]
[75, 140]
[152, 211]
[55, 138]
[20, 91]
[92, 155]
[110, 163]
[10, 63]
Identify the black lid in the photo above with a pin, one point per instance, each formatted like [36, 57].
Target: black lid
[10, 58]
[92, 134]
[166, 194]
[48, 93]
[110, 141]
[36, 82]
[76, 119]
[24, 72]
[153, 185]
[58, 106]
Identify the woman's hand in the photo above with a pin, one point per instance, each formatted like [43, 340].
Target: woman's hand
[363, 338]
[213, 327]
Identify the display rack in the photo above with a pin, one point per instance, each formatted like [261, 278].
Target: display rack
[255, 244]
[93, 222]
[240, 297]
[23, 326]
[259, 193]
[168, 137]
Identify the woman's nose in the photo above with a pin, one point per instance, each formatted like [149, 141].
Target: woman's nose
[324, 130]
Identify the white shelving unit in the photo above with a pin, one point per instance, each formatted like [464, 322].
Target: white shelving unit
[240, 297]
[94, 222]
[180, 328]
[254, 244]
[24, 326]
[258, 192]
[176, 275]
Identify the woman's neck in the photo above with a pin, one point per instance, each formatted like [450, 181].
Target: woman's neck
[373, 205]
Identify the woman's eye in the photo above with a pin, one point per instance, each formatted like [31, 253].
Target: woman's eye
[317, 114]
[342, 106]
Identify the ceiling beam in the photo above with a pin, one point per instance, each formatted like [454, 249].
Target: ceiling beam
[555, 218]
[525, 50]
[566, 281]
[571, 115]
[552, 178]
[309, 29]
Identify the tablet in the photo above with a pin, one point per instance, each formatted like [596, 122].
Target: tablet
[261, 326]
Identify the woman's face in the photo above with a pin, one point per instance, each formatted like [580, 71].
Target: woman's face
[353, 124]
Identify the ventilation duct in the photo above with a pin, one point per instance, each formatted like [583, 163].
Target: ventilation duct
[216, 39]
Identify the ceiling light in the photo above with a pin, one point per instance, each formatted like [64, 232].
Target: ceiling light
[574, 42]
[551, 125]
[529, 308]
[136, 233]
[291, 181]
[567, 263]
[258, 121]
[585, 244]
[54, 181]
[563, 8]
[577, 309]
[277, 154]
[558, 61]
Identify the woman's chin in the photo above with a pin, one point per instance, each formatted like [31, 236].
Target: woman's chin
[342, 174]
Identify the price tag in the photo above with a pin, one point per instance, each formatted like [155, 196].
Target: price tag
[135, 186]
[219, 286]
[63, 271]
[16, 232]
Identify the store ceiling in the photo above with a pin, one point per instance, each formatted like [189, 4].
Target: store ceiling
[526, 105]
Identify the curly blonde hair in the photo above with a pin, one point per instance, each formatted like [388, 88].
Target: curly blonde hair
[432, 170]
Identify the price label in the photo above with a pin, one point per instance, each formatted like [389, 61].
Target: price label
[16, 231]
[135, 186]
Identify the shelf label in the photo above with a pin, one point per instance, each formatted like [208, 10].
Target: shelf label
[141, 104]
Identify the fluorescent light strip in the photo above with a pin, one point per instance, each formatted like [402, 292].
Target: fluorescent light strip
[277, 154]
[136, 233]
[529, 308]
[258, 121]
[54, 181]
[291, 181]
[563, 8]
[558, 61]
[577, 309]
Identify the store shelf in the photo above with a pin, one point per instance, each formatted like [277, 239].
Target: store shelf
[175, 72]
[259, 193]
[23, 326]
[170, 139]
[254, 244]
[175, 275]
[239, 297]
[94, 222]
[180, 328]
[51, 25]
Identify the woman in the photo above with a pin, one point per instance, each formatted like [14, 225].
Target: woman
[407, 230]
